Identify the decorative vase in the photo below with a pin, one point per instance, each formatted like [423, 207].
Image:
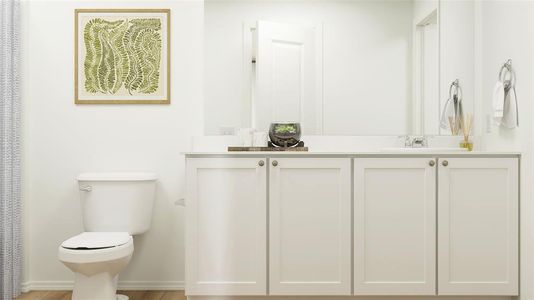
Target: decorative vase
[467, 145]
[284, 134]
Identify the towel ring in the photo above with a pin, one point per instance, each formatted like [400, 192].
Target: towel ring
[457, 90]
[454, 90]
[507, 69]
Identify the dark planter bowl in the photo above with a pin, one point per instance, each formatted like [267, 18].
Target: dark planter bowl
[284, 134]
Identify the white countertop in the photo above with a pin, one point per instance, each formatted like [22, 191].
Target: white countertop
[345, 146]
[378, 153]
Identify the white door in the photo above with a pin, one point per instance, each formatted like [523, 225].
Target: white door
[395, 226]
[478, 226]
[226, 232]
[288, 76]
[310, 226]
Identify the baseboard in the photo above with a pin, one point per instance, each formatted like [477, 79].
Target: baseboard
[152, 285]
[47, 285]
[25, 287]
[124, 285]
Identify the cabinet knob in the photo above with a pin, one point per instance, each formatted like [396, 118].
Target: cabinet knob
[445, 163]
[261, 163]
[431, 163]
[275, 163]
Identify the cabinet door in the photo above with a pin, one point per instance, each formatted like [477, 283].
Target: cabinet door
[226, 231]
[310, 226]
[478, 226]
[395, 226]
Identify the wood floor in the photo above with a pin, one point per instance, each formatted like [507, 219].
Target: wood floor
[134, 295]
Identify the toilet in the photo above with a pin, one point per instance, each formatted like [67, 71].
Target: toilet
[115, 207]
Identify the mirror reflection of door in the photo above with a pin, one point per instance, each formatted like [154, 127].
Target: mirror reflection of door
[427, 104]
[340, 67]
[288, 76]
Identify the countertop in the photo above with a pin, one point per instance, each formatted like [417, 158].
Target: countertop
[377, 153]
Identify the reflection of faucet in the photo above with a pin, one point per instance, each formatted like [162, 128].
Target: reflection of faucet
[419, 142]
[415, 141]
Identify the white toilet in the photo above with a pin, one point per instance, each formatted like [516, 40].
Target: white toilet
[115, 206]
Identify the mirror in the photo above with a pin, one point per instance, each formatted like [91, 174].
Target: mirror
[361, 67]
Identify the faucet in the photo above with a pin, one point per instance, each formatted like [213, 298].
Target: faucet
[415, 141]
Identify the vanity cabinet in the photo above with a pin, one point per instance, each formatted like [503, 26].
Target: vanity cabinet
[226, 231]
[394, 226]
[310, 226]
[478, 229]
[342, 225]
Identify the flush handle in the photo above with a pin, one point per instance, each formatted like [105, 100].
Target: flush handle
[86, 188]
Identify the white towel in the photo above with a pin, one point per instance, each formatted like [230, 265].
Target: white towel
[510, 117]
[498, 102]
[448, 111]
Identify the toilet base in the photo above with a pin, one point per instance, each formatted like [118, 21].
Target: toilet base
[98, 286]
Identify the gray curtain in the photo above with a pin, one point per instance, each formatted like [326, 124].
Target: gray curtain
[10, 152]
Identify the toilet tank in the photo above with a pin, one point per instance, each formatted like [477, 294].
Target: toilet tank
[117, 202]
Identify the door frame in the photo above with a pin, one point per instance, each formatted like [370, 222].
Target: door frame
[418, 109]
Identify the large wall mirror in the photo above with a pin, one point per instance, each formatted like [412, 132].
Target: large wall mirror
[361, 67]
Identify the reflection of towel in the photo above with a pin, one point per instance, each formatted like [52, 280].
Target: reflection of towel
[454, 110]
[458, 112]
[498, 102]
[448, 111]
[510, 118]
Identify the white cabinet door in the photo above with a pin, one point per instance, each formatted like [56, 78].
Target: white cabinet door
[395, 226]
[226, 251]
[478, 226]
[310, 226]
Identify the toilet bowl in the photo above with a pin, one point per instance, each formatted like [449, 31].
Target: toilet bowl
[96, 258]
[115, 206]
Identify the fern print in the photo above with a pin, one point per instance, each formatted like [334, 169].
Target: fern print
[123, 54]
[143, 44]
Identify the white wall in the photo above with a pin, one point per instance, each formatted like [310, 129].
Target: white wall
[506, 30]
[63, 139]
[367, 61]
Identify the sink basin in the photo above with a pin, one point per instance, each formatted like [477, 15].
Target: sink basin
[424, 149]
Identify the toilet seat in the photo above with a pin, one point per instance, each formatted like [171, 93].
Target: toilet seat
[96, 240]
[89, 247]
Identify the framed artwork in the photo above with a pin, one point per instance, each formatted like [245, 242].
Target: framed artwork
[122, 56]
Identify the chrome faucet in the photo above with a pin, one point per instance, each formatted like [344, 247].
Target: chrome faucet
[415, 141]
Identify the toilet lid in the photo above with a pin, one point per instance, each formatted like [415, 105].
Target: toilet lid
[97, 240]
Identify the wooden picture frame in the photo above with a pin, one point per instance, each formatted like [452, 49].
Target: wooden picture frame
[113, 65]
